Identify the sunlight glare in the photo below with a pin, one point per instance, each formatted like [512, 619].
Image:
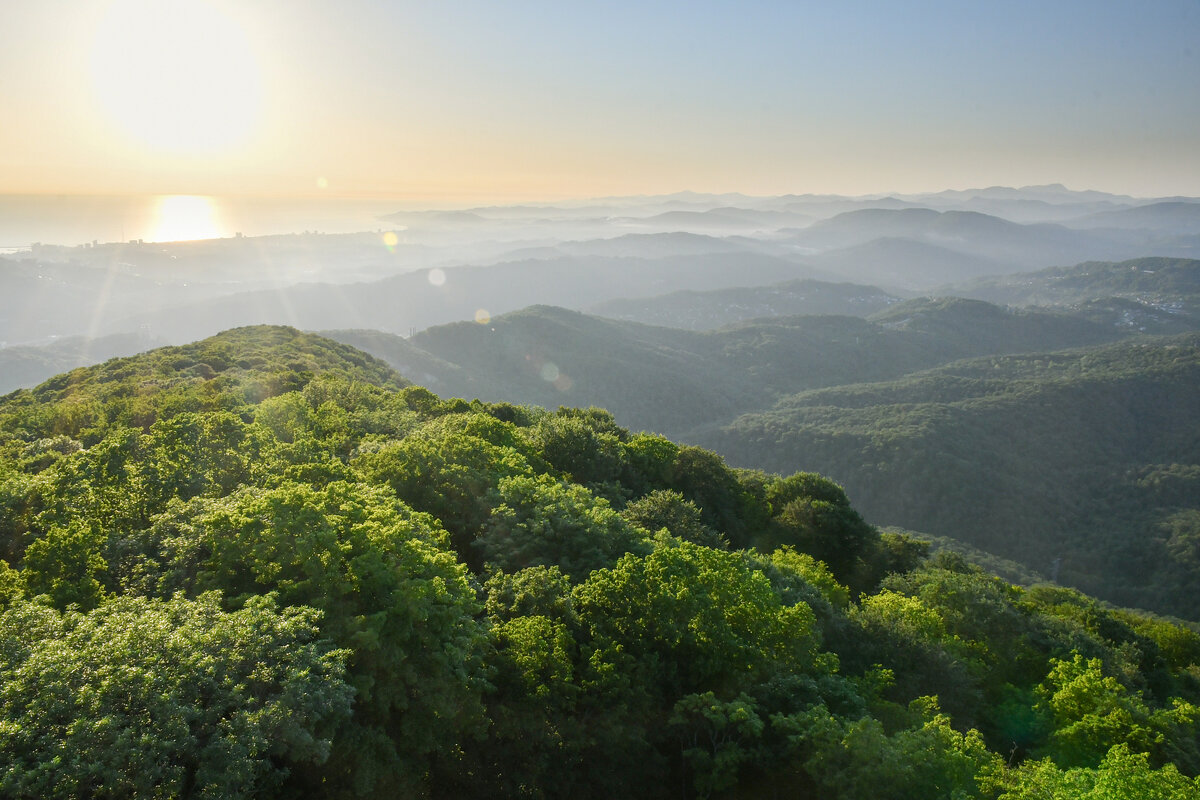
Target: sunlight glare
[179, 75]
[186, 217]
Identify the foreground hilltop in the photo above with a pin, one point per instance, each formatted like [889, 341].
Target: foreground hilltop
[266, 565]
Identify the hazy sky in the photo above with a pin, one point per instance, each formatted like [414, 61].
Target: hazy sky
[517, 100]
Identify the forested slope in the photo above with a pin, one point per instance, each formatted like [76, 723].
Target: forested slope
[696, 310]
[1173, 283]
[29, 366]
[672, 381]
[1088, 457]
[263, 565]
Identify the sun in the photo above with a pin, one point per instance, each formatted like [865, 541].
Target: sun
[182, 218]
[178, 75]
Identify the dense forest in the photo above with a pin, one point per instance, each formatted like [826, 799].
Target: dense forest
[1082, 461]
[265, 565]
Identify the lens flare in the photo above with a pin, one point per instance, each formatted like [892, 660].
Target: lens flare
[437, 277]
[482, 316]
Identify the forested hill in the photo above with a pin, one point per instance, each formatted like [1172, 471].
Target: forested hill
[1170, 283]
[1149, 295]
[696, 310]
[1088, 457]
[673, 381]
[256, 361]
[263, 565]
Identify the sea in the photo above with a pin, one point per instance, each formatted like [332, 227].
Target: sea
[83, 219]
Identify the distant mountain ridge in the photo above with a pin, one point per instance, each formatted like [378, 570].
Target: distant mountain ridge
[903, 243]
[1019, 246]
[632, 245]
[905, 264]
[1154, 295]
[1173, 281]
[1173, 215]
[417, 300]
[716, 308]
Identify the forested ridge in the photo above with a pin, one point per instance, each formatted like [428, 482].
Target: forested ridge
[1171, 283]
[1086, 459]
[674, 381]
[267, 565]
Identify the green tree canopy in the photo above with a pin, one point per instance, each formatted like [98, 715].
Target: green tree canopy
[164, 698]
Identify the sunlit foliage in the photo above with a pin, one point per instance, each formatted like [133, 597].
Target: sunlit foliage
[264, 566]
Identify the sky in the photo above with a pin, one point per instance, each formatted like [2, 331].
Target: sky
[512, 101]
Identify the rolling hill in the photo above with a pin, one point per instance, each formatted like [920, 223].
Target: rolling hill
[695, 310]
[1168, 283]
[1173, 216]
[1089, 457]
[673, 381]
[416, 300]
[905, 264]
[1016, 246]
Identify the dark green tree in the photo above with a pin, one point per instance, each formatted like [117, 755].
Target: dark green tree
[542, 521]
[389, 590]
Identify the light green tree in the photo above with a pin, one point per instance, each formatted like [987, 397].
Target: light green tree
[144, 698]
